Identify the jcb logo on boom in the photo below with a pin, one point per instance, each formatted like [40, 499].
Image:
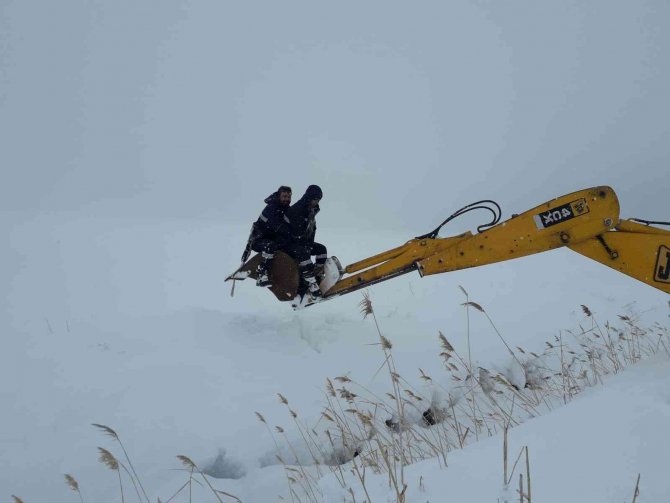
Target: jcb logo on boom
[662, 271]
[561, 214]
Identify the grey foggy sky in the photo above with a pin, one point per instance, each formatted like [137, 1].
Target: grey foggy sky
[402, 112]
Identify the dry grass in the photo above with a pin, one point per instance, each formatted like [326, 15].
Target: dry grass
[135, 479]
[365, 432]
[113, 463]
[74, 485]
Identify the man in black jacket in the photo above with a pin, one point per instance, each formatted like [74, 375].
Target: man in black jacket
[302, 224]
[270, 232]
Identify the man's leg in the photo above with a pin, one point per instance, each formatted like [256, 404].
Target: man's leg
[267, 249]
[305, 268]
[321, 254]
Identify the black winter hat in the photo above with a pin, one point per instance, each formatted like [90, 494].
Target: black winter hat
[313, 192]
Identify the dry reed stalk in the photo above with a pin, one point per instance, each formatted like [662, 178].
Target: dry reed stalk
[386, 347]
[340, 418]
[337, 470]
[478, 379]
[134, 477]
[505, 456]
[188, 463]
[304, 436]
[481, 309]
[390, 468]
[365, 305]
[636, 493]
[565, 399]
[108, 459]
[449, 351]
[73, 484]
[361, 478]
[528, 493]
[274, 440]
[609, 345]
[516, 462]
[229, 495]
[305, 476]
[187, 483]
[467, 319]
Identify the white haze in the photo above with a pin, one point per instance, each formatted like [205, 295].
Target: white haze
[401, 112]
[138, 139]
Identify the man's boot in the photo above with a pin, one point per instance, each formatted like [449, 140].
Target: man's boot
[308, 280]
[263, 278]
[319, 271]
[313, 286]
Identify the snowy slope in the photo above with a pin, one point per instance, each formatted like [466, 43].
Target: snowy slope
[129, 324]
[591, 450]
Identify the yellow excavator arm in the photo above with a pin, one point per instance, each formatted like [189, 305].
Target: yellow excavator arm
[586, 221]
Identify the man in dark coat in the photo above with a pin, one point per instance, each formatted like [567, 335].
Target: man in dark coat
[270, 232]
[302, 224]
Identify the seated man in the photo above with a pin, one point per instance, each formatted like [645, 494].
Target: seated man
[302, 223]
[270, 232]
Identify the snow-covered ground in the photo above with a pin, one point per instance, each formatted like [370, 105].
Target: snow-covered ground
[128, 323]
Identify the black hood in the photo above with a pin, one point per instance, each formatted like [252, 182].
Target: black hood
[312, 192]
[272, 198]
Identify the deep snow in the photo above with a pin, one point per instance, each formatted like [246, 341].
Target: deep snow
[128, 323]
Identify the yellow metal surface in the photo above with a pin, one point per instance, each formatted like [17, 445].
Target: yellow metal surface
[630, 226]
[377, 259]
[560, 222]
[640, 251]
[568, 219]
[392, 263]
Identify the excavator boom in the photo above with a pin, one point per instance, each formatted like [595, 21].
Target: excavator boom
[640, 251]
